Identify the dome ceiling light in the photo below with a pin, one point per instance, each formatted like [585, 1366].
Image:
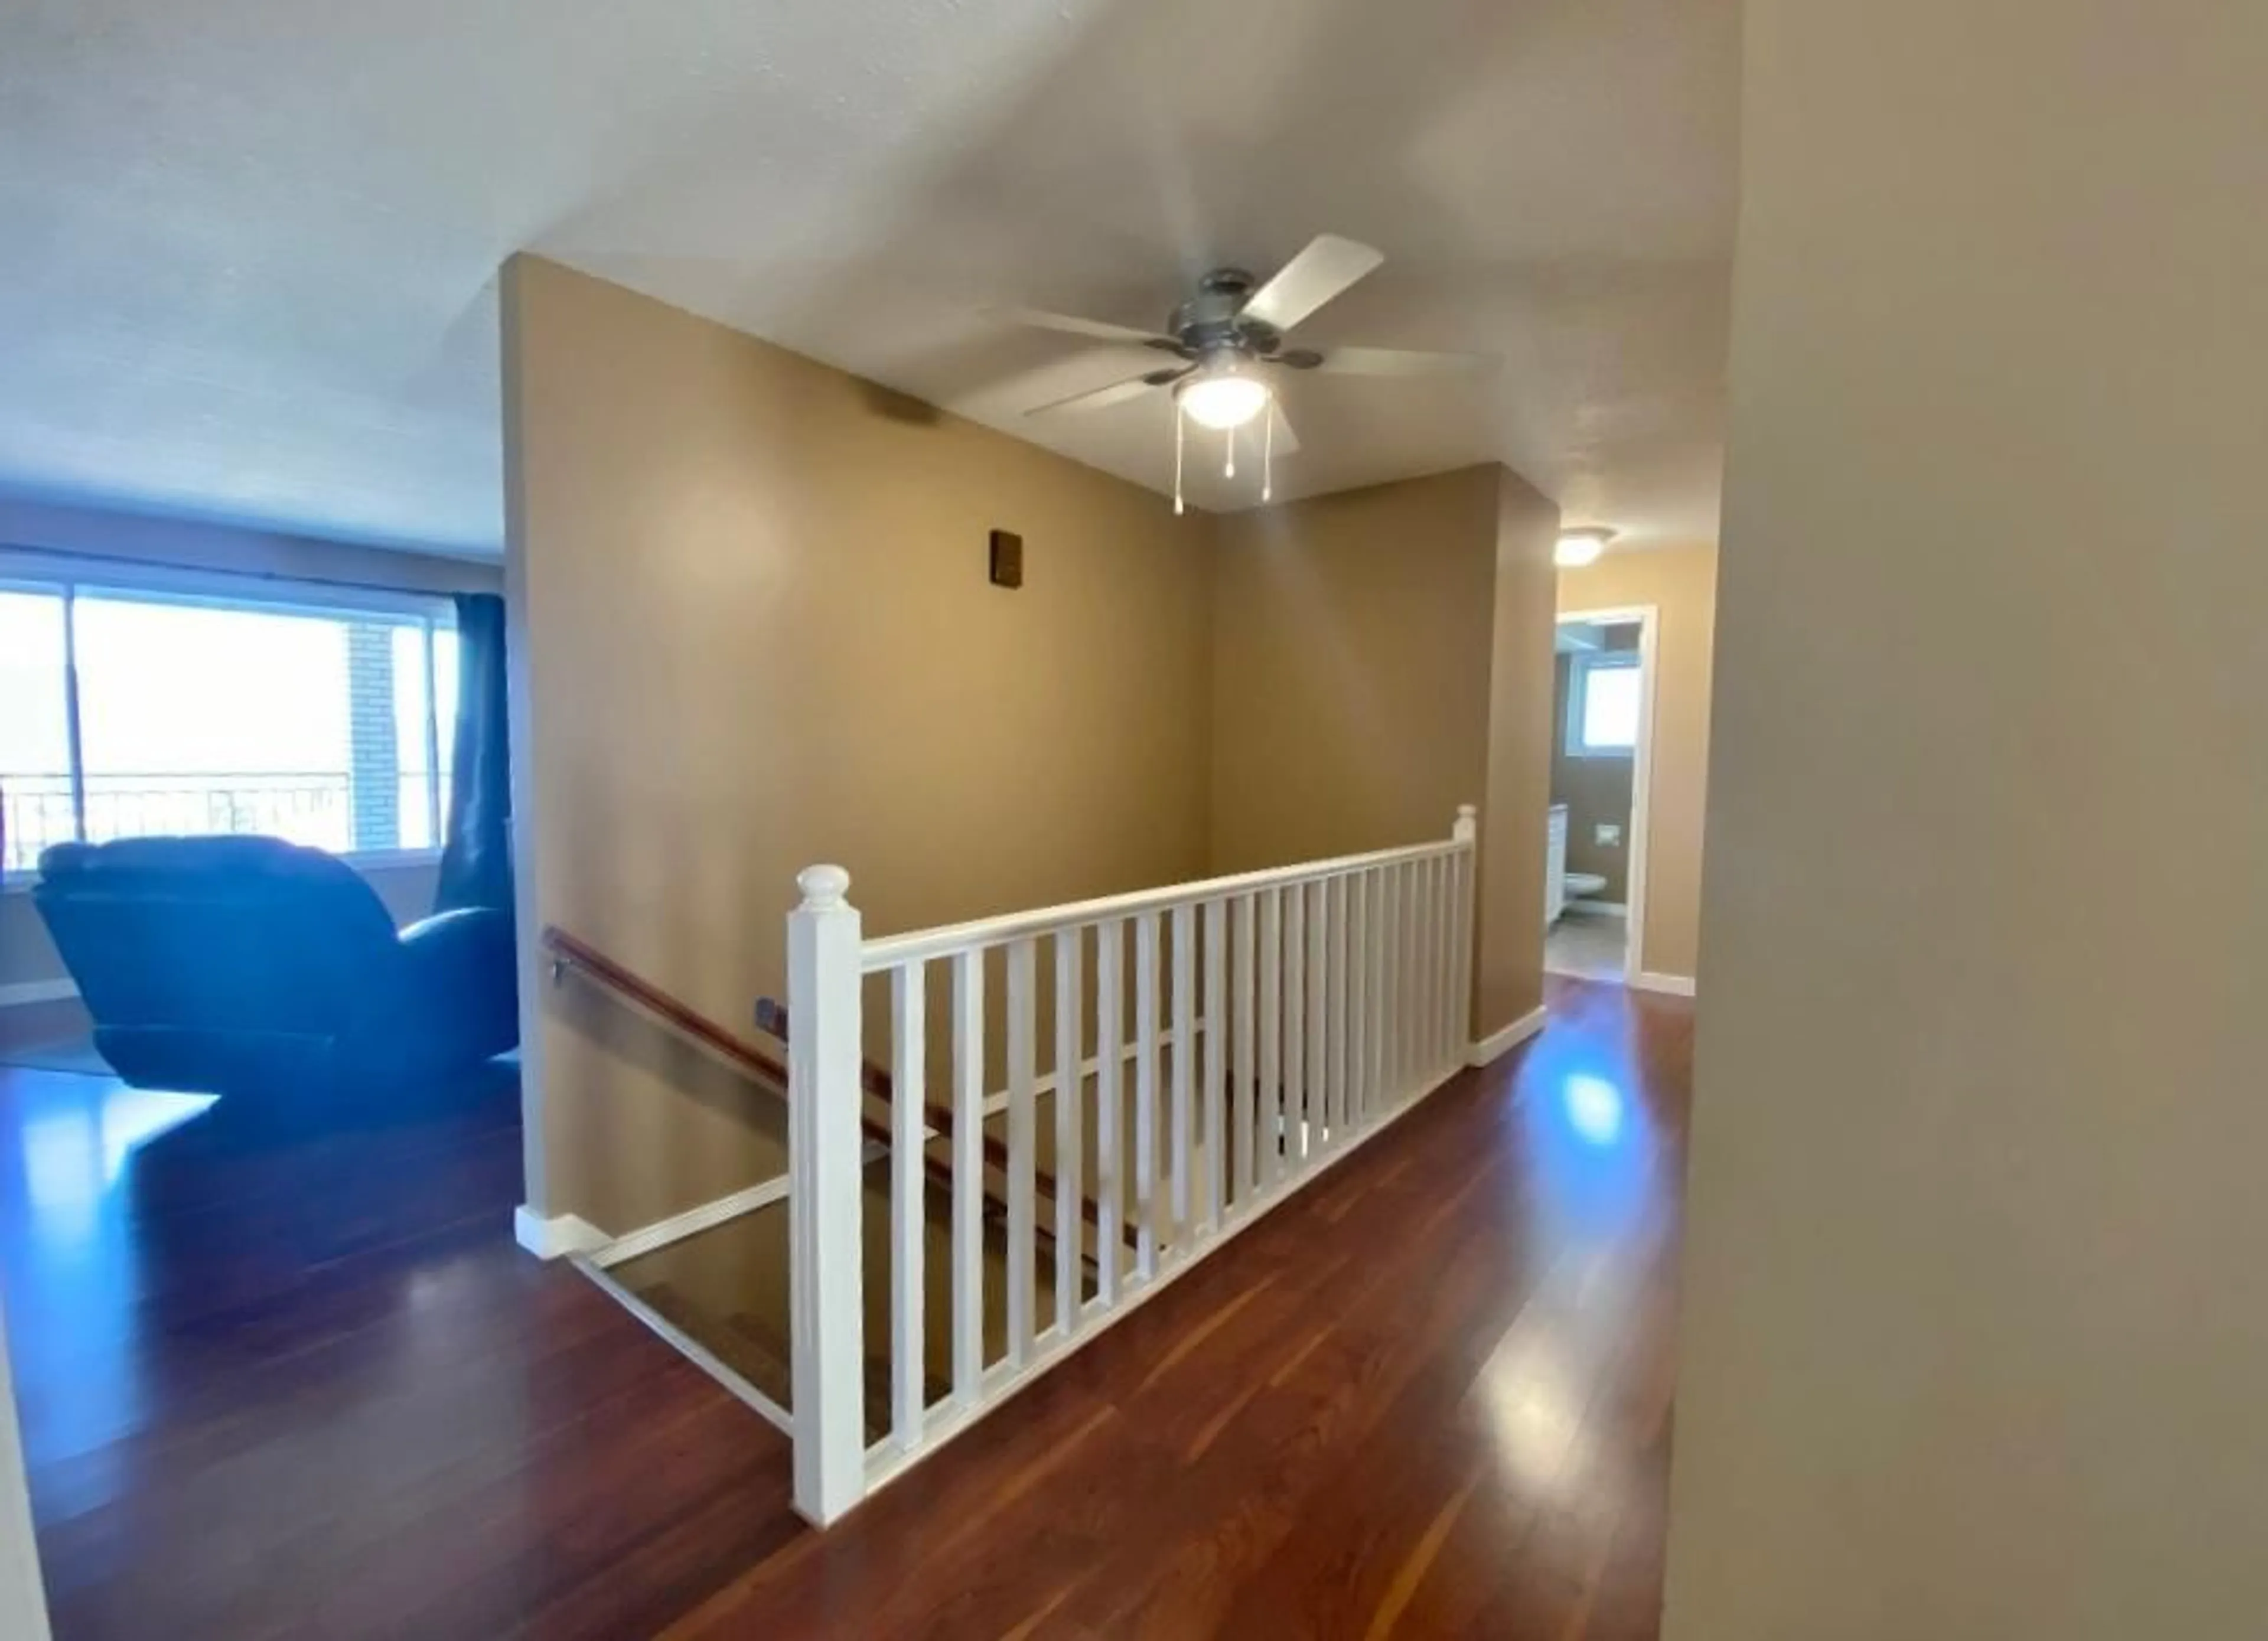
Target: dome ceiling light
[1582, 545]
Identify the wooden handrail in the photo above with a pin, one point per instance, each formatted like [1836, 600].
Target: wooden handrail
[921, 944]
[567, 950]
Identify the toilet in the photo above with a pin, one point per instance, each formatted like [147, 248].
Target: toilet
[1581, 886]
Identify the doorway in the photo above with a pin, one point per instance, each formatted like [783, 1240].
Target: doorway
[1602, 726]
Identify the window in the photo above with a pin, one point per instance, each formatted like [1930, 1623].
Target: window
[321, 716]
[1603, 704]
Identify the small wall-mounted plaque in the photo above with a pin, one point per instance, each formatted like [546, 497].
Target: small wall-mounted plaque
[1007, 559]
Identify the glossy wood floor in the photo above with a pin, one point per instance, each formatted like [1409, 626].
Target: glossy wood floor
[309, 1388]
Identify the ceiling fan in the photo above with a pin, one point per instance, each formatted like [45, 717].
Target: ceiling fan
[1228, 341]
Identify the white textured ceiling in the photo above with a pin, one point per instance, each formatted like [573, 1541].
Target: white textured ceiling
[247, 247]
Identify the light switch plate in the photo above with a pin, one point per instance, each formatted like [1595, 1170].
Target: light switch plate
[1007, 559]
[1607, 835]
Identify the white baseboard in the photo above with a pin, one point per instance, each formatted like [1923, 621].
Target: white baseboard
[1497, 1044]
[28, 991]
[1675, 985]
[557, 1237]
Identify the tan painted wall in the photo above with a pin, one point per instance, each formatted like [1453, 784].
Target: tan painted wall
[1976, 1333]
[1338, 624]
[1681, 583]
[766, 639]
[1359, 640]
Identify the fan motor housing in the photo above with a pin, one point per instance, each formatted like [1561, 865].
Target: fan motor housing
[1209, 320]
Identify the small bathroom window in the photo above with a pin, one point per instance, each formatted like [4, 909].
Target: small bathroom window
[1602, 703]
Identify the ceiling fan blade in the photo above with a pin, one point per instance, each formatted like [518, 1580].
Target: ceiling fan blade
[1116, 393]
[1297, 358]
[1329, 266]
[1401, 362]
[1098, 330]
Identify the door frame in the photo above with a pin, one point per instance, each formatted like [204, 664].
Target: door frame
[1640, 840]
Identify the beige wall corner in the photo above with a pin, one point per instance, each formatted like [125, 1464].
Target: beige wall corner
[1379, 656]
[1975, 1332]
[1350, 669]
[1509, 975]
[538, 1188]
[755, 632]
[1680, 585]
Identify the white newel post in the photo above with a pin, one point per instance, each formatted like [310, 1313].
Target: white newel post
[825, 1262]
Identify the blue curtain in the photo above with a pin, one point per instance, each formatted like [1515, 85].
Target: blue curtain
[476, 856]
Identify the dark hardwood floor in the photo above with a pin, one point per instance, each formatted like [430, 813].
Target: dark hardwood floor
[306, 1387]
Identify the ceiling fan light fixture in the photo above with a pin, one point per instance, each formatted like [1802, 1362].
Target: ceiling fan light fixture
[1222, 397]
[1578, 548]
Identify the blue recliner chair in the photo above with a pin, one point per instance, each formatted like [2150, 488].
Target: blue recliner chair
[247, 966]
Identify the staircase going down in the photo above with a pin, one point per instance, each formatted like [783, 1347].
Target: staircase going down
[724, 1288]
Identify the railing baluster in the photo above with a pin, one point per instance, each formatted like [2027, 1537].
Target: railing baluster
[1023, 1074]
[1110, 1113]
[909, 1212]
[1071, 1096]
[968, 1175]
[1293, 1144]
[1425, 1019]
[1245, 1135]
[1446, 941]
[1341, 1027]
[1314, 1085]
[1185, 1048]
[1272, 1034]
[1146, 1094]
[1381, 973]
[1359, 954]
[1405, 980]
[1215, 1032]
[1414, 978]
[1466, 833]
[1405, 997]
[1421, 979]
[1436, 980]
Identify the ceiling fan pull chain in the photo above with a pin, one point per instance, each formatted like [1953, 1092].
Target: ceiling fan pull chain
[1232, 453]
[1178, 431]
[1268, 455]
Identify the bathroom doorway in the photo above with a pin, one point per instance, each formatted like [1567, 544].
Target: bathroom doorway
[1603, 725]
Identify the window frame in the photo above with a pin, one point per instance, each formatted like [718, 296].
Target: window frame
[1579, 669]
[61, 575]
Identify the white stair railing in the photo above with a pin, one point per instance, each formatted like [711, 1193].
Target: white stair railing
[1298, 1010]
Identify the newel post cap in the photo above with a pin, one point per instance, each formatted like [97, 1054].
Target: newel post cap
[823, 886]
[1469, 825]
